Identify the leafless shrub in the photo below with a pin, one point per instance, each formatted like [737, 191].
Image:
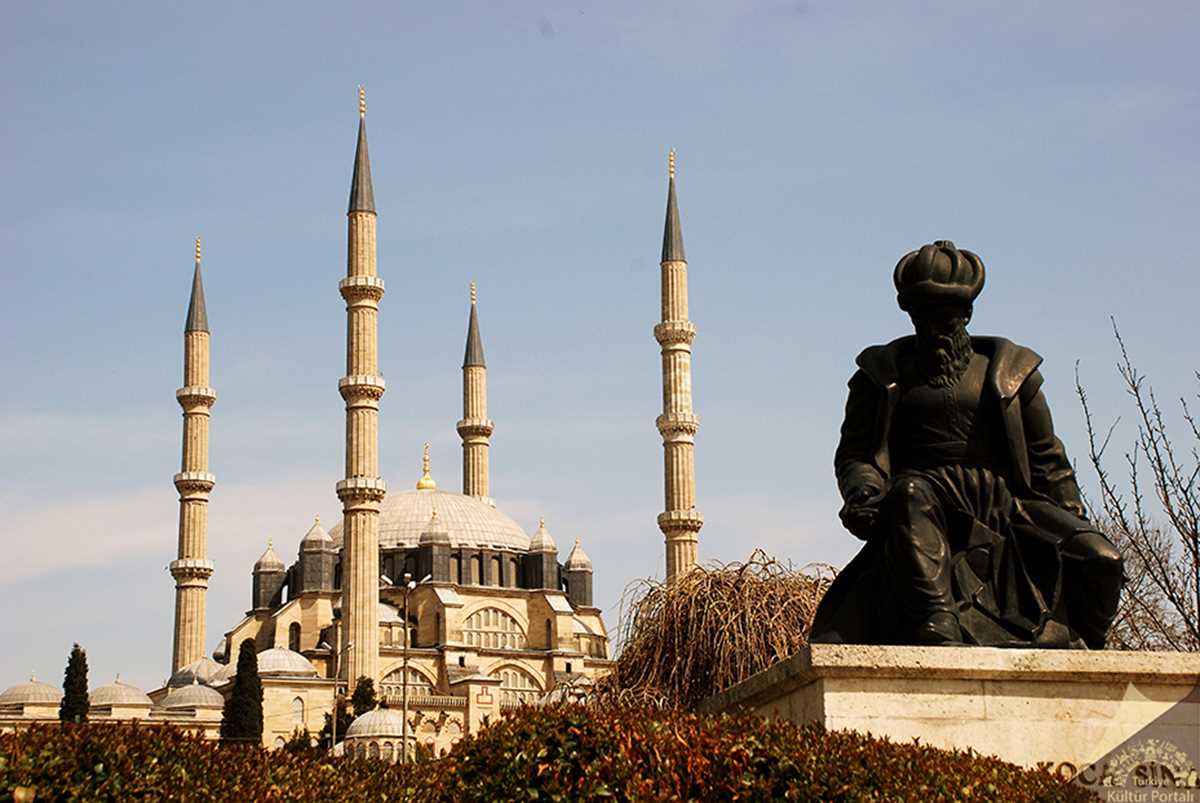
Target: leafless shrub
[1161, 601]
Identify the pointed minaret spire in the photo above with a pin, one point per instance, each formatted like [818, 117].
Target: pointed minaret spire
[475, 429]
[362, 193]
[680, 522]
[362, 490]
[672, 247]
[197, 314]
[192, 568]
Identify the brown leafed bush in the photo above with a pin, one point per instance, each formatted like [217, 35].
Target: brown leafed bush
[711, 628]
[563, 753]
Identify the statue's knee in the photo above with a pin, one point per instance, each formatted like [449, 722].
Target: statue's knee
[1097, 551]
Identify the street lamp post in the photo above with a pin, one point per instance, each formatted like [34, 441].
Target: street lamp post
[409, 585]
[333, 720]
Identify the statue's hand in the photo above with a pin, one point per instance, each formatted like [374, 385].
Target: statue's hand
[860, 511]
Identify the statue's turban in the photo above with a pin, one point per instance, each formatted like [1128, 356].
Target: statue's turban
[938, 273]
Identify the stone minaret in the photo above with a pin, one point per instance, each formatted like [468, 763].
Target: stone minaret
[193, 568]
[363, 489]
[475, 429]
[680, 522]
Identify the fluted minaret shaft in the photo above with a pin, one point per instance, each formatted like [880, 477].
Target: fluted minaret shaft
[192, 568]
[680, 522]
[363, 489]
[475, 429]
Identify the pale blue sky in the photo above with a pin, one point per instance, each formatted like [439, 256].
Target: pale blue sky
[524, 145]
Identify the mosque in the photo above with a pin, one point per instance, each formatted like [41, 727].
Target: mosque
[439, 597]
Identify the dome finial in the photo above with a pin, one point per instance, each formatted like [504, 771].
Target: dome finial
[671, 163]
[541, 522]
[197, 249]
[316, 518]
[269, 544]
[426, 482]
[362, 102]
[472, 292]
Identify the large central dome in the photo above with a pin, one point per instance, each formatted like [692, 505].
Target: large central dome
[469, 522]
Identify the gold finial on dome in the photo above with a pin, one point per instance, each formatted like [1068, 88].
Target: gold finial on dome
[362, 102]
[197, 250]
[316, 518]
[671, 163]
[541, 522]
[426, 482]
[269, 544]
[472, 293]
[433, 519]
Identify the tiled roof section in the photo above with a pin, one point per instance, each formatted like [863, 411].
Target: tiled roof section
[362, 193]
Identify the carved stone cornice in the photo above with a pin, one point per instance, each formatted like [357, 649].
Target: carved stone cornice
[191, 572]
[475, 428]
[357, 490]
[677, 424]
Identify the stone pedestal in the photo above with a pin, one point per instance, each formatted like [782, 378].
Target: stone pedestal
[1060, 709]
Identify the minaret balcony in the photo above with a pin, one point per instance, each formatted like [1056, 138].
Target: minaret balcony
[675, 424]
[193, 397]
[190, 483]
[361, 489]
[359, 288]
[358, 387]
[680, 521]
[475, 428]
[673, 333]
[191, 569]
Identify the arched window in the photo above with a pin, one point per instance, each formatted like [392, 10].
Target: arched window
[497, 570]
[514, 567]
[298, 712]
[517, 685]
[389, 752]
[294, 637]
[279, 742]
[476, 570]
[492, 628]
[549, 635]
[456, 569]
[373, 750]
[392, 686]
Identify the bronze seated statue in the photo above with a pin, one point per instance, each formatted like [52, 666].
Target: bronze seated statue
[951, 473]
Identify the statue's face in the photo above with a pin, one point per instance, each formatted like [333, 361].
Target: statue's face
[936, 325]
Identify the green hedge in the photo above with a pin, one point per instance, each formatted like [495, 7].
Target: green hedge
[561, 753]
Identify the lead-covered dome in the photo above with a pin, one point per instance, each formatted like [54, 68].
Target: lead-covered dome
[193, 696]
[282, 661]
[118, 693]
[202, 670]
[380, 722]
[469, 522]
[34, 692]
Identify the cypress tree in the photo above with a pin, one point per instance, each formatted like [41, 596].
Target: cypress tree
[363, 699]
[242, 717]
[74, 706]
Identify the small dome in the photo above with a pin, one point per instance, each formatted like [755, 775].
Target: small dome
[194, 696]
[381, 722]
[118, 693]
[269, 562]
[316, 536]
[223, 675]
[281, 661]
[202, 670]
[33, 692]
[542, 540]
[578, 561]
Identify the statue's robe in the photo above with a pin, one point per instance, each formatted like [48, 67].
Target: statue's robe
[1026, 568]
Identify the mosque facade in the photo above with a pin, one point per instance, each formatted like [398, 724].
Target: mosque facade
[438, 596]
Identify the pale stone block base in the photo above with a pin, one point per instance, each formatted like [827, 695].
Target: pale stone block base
[1062, 709]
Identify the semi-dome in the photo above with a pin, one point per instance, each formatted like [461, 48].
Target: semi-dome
[469, 522]
[33, 692]
[202, 670]
[118, 693]
[282, 661]
[380, 722]
[194, 696]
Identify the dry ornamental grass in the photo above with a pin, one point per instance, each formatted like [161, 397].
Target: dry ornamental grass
[710, 629]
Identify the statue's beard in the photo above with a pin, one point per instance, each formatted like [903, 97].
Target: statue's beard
[946, 358]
